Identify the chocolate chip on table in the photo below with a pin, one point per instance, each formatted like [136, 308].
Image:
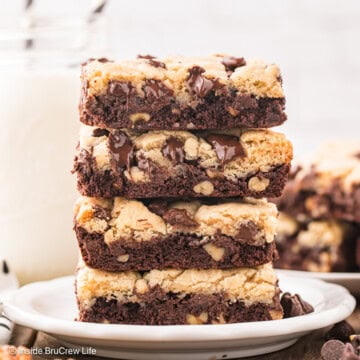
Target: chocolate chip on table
[349, 353]
[340, 331]
[294, 305]
[332, 350]
[355, 342]
[227, 147]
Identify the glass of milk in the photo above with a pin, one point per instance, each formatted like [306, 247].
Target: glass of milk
[39, 93]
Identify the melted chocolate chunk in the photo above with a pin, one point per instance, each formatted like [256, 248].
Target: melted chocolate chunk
[102, 213]
[294, 305]
[174, 150]
[119, 88]
[247, 231]
[5, 267]
[332, 350]
[156, 89]
[357, 155]
[198, 84]
[158, 207]
[152, 61]
[227, 147]
[340, 331]
[121, 149]
[179, 217]
[100, 132]
[144, 165]
[231, 63]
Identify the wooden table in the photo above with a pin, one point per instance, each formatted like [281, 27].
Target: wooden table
[307, 348]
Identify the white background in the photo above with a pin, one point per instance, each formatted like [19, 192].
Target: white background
[315, 42]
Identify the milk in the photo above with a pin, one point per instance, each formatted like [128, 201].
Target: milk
[38, 134]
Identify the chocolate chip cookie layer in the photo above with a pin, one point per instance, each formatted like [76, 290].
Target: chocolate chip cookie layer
[236, 162]
[214, 92]
[122, 234]
[166, 297]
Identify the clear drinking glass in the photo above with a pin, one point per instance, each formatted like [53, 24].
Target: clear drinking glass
[39, 92]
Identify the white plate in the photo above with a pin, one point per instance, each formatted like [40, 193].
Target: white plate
[349, 280]
[51, 307]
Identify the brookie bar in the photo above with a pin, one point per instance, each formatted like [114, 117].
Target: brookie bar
[316, 245]
[326, 187]
[121, 234]
[236, 162]
[165, 297]
[214, 92]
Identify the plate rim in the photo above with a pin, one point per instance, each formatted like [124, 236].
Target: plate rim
[177, 333]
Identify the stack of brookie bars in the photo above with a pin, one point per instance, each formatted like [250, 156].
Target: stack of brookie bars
[174, 164]
[319, 225]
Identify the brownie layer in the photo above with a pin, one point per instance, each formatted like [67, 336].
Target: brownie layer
[180, 251]
[216, 92]
[238, 162]
[121, 234]
[326, 187]
[159, 308]
[316, 245]
[178, 296]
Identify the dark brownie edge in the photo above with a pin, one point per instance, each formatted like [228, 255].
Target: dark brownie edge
[333, 204]
[95, 183]
[180, 251]
[288, 259]
[160, 308]
[214, 111]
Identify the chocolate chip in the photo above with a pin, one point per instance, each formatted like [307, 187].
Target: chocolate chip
[231, 63]
[179, 217]
[158, 207]
[173, 149]
[294, 305]
[119, 88]
[247, 232]
[101, 60]
[156, 89]
[332, 350]
[144, 164]
[104, 60]
[227, 147]
[349, 353]
[340, 331]
[199, 84]
[357, 155]
[121, 150]
[5, 267]
[152, 61]
[100, 132]
[102, 213]
[355, 342]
